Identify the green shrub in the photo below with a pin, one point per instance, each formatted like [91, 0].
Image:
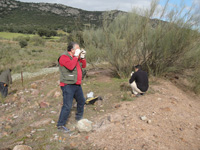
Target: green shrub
[94, 43]
[36, 41]
[23, 43]
[76, 36]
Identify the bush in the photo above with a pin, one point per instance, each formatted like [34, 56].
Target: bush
[134, 38]
[63, 39]
[94, 42]
[23, 43]
[76, 36]
[36, 41]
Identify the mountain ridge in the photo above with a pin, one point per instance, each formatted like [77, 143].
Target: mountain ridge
[15, 13]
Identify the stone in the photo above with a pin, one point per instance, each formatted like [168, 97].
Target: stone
[148, 121]
[41, 122]
[114, 118]
[21, 93]
[44, 104]
[73, 144]
[117, 106]
[53, 112]
[22, 147]
[34, 86]
[52, 121]
[57, 94]
[33, 131]
[28, 135]
[143, 118]
[35, 92]
[166, 109]
[15, 116]
[84, 125]
[159, 99]
[22, 100]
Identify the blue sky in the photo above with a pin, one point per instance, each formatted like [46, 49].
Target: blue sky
[178, 2]
[102, 5]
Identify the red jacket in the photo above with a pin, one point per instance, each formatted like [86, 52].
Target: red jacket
[71, 64]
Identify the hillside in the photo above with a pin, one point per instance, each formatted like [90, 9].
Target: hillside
[15, 15]
[172, 116]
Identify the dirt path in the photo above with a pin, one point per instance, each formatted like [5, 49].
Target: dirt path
[172, 122]
[171, 118]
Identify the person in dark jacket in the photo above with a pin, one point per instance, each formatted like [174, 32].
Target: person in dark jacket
[139, 81]
[5, 80]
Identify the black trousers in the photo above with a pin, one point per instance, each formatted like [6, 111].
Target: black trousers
[3, 90]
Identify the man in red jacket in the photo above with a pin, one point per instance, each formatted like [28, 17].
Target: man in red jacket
[71, 63]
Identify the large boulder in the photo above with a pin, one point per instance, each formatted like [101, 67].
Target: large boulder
[22, 147]
[84, 125]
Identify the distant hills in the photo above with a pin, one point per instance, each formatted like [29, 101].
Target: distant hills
[23, 17]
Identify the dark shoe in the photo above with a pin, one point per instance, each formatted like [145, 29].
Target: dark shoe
[142, 94]
[63, 129]
[77, 119]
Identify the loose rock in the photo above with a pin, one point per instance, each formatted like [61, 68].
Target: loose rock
[148, 121]
[143, 118]
[22, 147]
[84, 125]
[35, 92]
[34, 86]
[44, 104]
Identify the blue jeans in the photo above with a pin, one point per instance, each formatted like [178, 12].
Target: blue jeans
[69, 92]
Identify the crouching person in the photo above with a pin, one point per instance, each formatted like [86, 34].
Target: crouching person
[139, 81]
[71, 63]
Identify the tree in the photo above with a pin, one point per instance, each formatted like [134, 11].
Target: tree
[46, 32]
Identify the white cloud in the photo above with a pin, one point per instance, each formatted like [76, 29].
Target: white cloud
[97, 5]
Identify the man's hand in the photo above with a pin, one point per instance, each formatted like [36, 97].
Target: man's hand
[83, 52]
[132, 73]
[77, 53]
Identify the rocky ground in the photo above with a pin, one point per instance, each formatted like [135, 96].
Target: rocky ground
[166, 118]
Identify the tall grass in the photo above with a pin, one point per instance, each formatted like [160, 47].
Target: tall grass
[8, 35]
[30, 58]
